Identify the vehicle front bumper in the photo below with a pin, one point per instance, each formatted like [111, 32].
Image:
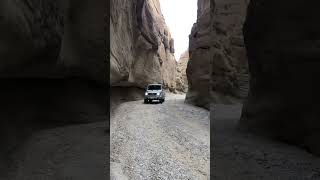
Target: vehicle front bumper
[153, 97]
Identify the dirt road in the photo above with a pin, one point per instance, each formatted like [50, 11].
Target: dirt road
[160, 141]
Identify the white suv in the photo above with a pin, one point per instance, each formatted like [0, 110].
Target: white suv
[154, 92]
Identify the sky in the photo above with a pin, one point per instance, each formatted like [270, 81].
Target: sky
[179, 16]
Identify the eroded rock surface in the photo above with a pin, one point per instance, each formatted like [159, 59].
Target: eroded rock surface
[42, 39]
[52, 70]
[141, 45]
[198, 69]
[182, 80]
[283, 54]
[229, 67]
[31, 35]
[217, 71]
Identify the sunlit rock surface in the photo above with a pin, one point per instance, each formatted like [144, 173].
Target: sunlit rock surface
[141, 45]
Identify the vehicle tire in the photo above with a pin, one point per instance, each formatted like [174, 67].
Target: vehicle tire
[146, 101]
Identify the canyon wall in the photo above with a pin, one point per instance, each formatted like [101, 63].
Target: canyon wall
[282, 39]
[141, 46]
[198, 68]
[31, 35]
[52, 69]
[53, 39]
[218, 70]
[181, 76]
[229, 66]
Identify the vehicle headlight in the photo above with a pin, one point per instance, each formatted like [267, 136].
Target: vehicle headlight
[158, 93]
[146, 93]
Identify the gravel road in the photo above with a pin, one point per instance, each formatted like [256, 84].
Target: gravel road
[243, 156]
[160, 141]
[74, 152]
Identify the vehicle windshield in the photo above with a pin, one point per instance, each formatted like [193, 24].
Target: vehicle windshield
[154, 87]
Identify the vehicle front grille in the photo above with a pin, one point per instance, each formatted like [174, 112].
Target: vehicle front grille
[153, 94]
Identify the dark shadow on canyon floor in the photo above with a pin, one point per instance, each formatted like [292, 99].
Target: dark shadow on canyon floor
[241, 155]
[29, 106]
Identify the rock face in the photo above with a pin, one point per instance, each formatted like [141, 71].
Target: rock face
[283, 51]
[31, 35]
[53, 39]
[83, 45]
[229, 66]
[53, 66]
[182, 80]
[216, 39]
[198, 69]
[141, 45]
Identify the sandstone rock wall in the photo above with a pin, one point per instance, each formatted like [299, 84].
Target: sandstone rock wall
[282, 39]
[229, 67]
[198, 68]
[141, 45]
[52, 67]
[31, 34]
[84, 40]
[53, 39]
[182, 80]
[217, 71]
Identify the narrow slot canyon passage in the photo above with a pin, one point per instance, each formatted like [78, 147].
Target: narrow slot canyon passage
[241, 76]
[152, 140]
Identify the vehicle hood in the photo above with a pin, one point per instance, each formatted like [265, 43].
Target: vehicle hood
[153, 91]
